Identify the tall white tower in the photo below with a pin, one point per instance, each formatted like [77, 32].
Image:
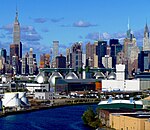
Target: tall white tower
[120, 72]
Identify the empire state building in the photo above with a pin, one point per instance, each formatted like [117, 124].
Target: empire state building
[16, 35]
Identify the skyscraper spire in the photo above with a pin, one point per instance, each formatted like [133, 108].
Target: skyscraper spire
[128, 23]
[16, 33]
[16, 18]
[146, 31]
[99, 37]
[146, 40]
[129, 30]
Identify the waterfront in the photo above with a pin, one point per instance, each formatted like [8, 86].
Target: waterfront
[67, 117]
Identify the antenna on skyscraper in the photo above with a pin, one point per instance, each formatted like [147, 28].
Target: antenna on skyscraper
[146, 20]
[99, 36]
[128, 23]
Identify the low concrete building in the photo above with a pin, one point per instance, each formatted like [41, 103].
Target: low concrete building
[121, 85]
[43, 95]
[117, 82]
[36, 87]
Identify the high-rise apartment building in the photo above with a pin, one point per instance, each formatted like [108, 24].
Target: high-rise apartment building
[29, 65]
[15, 64]
[107, 61]
[35, 67]
[14, 51]
[45, 61]
[91, 54]
[2, 64]
[76, 56]
[4, 54]
[146, 40]
[31, 61]
[25, 67]
[60, 61]
[68, 58]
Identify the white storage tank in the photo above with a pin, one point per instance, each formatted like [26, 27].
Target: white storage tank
[10, 100]
[23, 99]
[71, 75]
[40, 78]
[52, 79]
[111, 76]
[99, 75]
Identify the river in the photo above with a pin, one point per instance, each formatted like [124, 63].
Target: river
[61, 118]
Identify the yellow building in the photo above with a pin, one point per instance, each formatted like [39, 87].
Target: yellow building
[147, 124]
[130, 121]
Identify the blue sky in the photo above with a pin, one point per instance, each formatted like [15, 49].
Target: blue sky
[70, 21]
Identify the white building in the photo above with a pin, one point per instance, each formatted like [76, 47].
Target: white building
[119, 83]
[43, 95]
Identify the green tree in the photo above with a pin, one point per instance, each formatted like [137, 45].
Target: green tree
[88, 116]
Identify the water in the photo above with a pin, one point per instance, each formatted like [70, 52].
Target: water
[62, 118]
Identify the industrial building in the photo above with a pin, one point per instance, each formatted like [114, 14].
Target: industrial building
[129, 121]
[117, 82]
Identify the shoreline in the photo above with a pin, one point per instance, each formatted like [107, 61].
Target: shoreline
[42, 106]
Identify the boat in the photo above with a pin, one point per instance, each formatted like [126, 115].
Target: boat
[120, 103]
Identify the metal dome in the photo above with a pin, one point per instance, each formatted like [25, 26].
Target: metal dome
[40, 78]
[99, 75]
[52, 79]
[112, 75]
[71, 75]
[4, 79]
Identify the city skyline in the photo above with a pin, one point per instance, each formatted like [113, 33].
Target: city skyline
[70, 22]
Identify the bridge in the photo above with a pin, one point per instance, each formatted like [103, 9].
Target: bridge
[87, 69]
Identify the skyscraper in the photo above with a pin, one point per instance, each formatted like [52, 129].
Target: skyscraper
[15, 64]
[24, 70]
[101, 50]
[130, 50]
[76, 56]
[107, 61]
[31, 61]
[91, 54]
[45, 61]
[68, 58]
[55, 49]
[146, 40]
[144, 61]
[60, 61]
[16, 34]
[14, 51]
[116, 47]
[4, 54]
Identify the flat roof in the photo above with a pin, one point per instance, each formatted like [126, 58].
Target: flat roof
[79, 80]
[118, 110]
[144, 115]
